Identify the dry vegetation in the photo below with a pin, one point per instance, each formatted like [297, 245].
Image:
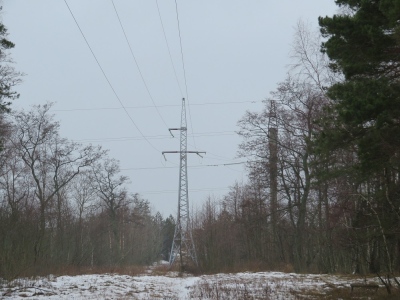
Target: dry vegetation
[159, 282]
[285, 286]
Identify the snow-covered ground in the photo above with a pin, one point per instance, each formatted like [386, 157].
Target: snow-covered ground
[260, 285]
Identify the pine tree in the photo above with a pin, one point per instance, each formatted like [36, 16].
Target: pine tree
[9, 77]
[364, 45]
[364, 119]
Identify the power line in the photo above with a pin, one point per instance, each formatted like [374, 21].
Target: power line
[154, 137]
[180, 43]
[169, 50]
[184, 69]
[190, 190]
[137, 65]
[192, 167]
[105, 76]
[158, 106]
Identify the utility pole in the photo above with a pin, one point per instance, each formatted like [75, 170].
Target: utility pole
[182, 245]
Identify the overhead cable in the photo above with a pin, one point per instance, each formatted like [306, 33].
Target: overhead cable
[137, 65]
[108, 81]
[169, 50]
[190, 190]
[159, 106]
[184, 68]
[192, 167]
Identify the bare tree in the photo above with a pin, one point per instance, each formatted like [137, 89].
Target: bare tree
[83, 195]
[298, 105]
[309, 64]
[110, 186]
[52, 161]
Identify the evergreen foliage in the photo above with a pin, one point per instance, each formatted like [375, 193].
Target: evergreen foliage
[364, 45]
[363, 121]
[9, 77]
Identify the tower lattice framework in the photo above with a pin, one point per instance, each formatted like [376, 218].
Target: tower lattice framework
[183, 247]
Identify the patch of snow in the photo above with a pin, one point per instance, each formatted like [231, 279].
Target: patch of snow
[272, 285]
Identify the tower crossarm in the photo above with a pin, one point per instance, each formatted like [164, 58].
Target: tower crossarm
[195, 152]
[172, 129]
[190, 152]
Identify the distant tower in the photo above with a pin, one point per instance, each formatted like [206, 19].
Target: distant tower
[273, 159]
[182, 245]
[273, 166]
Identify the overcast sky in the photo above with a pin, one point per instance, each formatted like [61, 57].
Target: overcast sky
[234, 53]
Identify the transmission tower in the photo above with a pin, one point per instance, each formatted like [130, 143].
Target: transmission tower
[182, 245]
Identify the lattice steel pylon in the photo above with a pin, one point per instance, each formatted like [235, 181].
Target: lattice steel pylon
[183, 245]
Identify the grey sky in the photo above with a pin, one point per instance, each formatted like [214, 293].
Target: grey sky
[234, 51]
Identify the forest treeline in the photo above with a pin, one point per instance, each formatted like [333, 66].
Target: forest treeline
[64, 204]
[323, 186]
[323, 191]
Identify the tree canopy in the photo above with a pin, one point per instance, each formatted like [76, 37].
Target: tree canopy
[364, 45]
[9, 77]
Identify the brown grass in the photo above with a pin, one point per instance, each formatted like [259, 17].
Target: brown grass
[212, 289]
[346, 294]
[70, 270]
[252, 266]
[161, 270]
